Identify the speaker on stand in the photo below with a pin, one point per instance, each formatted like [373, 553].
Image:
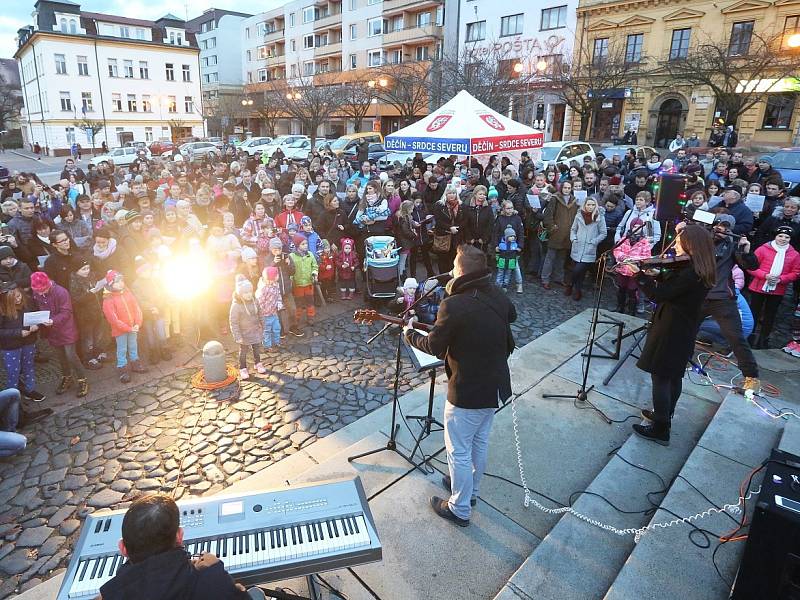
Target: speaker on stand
[671, 197]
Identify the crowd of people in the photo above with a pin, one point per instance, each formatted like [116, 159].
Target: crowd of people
[98, 250]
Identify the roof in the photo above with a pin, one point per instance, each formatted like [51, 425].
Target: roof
[117, 19]
[169, 17]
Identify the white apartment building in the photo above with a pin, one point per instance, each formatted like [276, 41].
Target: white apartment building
[219, 36]
[304, 38]
[535, 33]
[139, 79]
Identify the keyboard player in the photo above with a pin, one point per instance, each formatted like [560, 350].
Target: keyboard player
[158, 567]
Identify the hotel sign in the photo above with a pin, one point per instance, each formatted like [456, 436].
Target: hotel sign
[518, 45]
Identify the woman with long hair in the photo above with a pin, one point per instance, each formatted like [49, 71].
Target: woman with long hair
[679, 296]
[18, 342]
[406, 235]
[588, 230]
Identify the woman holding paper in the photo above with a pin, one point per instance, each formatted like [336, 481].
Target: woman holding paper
[778, 265]
[17, 342]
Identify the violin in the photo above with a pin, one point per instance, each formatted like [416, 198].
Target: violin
[660, 263]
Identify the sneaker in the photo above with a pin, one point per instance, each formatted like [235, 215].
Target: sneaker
[649, 415]
[261, 368]
[34, 395]
[504, 288]
[83, 388]
[441, 508]
[124, 374]
[102, 357]
[791, 347]
[796, 351]
[519, 288]
[296, 332]
[66, 383]
[447, 485]
[752, 384]
[93, 364]
[654, 432]
[244, 374]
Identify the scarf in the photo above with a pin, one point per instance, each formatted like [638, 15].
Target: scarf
[104, 254]
[777, 265]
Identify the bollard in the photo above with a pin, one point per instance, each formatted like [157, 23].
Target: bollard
[214, 362]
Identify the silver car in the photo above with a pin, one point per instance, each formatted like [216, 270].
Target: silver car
[195, 150]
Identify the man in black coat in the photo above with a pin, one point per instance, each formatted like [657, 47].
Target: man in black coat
[472, 333]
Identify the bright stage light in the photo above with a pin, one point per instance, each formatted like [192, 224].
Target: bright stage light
[186, 276]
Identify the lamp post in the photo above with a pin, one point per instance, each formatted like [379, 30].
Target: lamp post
[246, 103]
[372, 84]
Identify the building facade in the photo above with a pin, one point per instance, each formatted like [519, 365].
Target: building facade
[346, 38]
[219, 36]
[535, 34]
[90, 78]
[656, 32]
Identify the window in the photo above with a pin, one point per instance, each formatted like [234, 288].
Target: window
[293, 45]
[680, 43]
[791, 26]
[180, 39]
[116, 102]
[139, 33]
[376, 27]
[249, 56]
[131, 102]
[397, 57]
[213, 77]
[554, 18]
[70, 132]
[212, 60]
[211, 42]
[172, 37]
[633, 48]
[778, 114]
[112, 67]
[423, 53]
[308, 14]
[353, 31]
[148, 134]
[321, 40]
[144, 70]
[170, 69]
[187, 74]
[308, 41]
[291, 19]
[294, 70]
[476, 31]
[262, 74]
[61, 64]
[511, 25]
[423, 19]
[66, 102]
[188, 104]
[373, 1]
[247, 33]
[353, 61]
[124, 31]
[127, 69]
[600, 50]
[86, 102]
[63, 25]
[83, 65]
[249, 77]
[172, 104]
[308, 68]
[352, 4]
[398, 23]
[741, 34]
[375, 58]
[262, 52]
[146, 106]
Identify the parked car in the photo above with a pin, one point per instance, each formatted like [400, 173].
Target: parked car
[375, 153]
[217, 141]
[5, 175]
[787, 162]
[161, 146]
[351, 140]
[283, 142]
[120, 156]
[255, 144]
[198, 150]
[621, 149]
[562, 153]
[299, 150]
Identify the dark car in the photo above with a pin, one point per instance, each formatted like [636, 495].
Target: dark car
[787, 162]
[4, 175]
[375, 152]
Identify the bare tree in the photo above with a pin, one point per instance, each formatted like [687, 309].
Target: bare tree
[583, 78]
[86, 125]
[270, 104]
[312, 101]
[408, 88]
[10, 104]
[737, 73]
[356, 100]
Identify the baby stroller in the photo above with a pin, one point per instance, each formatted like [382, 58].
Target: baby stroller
[381, 267]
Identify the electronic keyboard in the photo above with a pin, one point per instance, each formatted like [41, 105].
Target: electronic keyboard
[259, 536]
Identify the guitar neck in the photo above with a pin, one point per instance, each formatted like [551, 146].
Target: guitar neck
[396, 321]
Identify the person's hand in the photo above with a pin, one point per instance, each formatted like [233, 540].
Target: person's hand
[26, 333]
[47, 323]
[454, 230]
[239, 587]
[341, 227]
[205, 560]
[633, 267]
[33, 328]
[744, 245]
[399, 300]
[680, 226]
[135, 329]
[773, 279]
[409, 324]
[555, 227]
[329, 267]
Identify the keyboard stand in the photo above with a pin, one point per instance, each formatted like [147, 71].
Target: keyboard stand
[313, 594]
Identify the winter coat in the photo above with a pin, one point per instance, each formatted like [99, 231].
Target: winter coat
[314, 243]
[283, 218]
[11, 328]
[405, 233]
[329, 225]
[479, 224]
[444, 218]
[327, 267]
[727, 254]
[20, 274]
[515, 222]
[419, 213]
[63, 331]
[285, 272]
[558, 218]
[59, 267]
[651, 230]
[743, 215]
[585, 238]
[85, 302]
[670, 340]
[78, 230]
[244, 321]
[766, 255]
[268, 297]
[346, 266]
[122, 311]
[766, 231]
[377, 212]
[305, 268]
[148, 295]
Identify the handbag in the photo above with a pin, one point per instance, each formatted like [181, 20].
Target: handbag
[441, 243]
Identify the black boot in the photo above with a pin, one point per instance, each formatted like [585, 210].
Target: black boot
[655, 432]
[621, 296]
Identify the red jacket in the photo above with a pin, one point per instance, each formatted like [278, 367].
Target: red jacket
[122, 311]
[326, 261]
[791, 269]
[282, 218]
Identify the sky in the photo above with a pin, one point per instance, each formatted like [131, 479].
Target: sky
[18, 14]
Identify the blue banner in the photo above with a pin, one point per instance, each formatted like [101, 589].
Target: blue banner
[419, 144]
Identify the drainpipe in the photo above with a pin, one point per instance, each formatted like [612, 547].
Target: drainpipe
[102, 100]
[39, 88]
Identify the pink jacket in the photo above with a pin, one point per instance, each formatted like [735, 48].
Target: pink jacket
[791, 269]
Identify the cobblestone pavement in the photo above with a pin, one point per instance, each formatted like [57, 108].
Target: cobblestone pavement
[106, 451]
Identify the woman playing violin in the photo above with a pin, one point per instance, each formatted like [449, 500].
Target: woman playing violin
[679, 296]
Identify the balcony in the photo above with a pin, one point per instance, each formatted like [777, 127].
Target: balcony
[412, 35]
[328, 50]
[276, 60]
[393, 7]
[274, 35]
[328, 19]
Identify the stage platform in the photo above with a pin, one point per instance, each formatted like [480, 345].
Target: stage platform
[570, 455]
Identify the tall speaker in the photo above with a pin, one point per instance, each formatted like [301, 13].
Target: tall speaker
[770, 567]
[670, 196]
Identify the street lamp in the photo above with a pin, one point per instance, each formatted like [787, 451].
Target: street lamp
[518, 68]
[793, 41]
[380, 82]
[295, 96]
[247, 102]
[541, 65]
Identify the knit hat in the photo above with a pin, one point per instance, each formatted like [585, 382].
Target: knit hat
[275, 243]
[766, 159]
[132, 215]
[271, 273]
[784, 229]
[347, 242]
[120, 215]
[40, 282]
[82, 263]
[410, 282]
[509, 232]
[298, 187]
[728, 220]
[243, 285]
[248, 253]
[306, 220]
[6, 252]
[492, 192]
[112, 276]
[298, 239]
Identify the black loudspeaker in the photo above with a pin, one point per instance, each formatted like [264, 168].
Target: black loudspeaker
[670, 196]
[770, 567]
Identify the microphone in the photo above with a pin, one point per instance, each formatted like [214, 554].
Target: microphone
[441, 277]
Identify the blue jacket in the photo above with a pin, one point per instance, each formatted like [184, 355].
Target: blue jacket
[743, 216]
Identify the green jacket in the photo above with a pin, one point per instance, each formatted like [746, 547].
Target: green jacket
[305, 269]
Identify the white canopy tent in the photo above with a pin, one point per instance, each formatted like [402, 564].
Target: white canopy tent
[465, 127]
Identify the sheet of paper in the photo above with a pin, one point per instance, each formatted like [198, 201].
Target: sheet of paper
[41, 260]
[36, 317]
[311, 189]
[284, 168]
[754, 202]
[580, 196]
[533, 201]
[341, 195]
[713, 201]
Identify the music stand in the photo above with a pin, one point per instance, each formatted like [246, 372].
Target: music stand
[424, 362]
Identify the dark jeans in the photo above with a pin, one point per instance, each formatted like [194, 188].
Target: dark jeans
[666, 391]
[726, 314]
[92, 339]
[69, 362]
[243, 354]
[445, 261]
[578, 274]
[764, 308]
[420, 253]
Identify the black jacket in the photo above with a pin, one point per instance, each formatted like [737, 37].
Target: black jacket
[59, 267]
[670, 340]
[472, 333]
[20, 274]
[171, 576]
[727, 253]
[11, 328]
[479, 224]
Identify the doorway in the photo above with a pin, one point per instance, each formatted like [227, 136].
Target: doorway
[668, 124]
[606, 119]
[557, 123]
